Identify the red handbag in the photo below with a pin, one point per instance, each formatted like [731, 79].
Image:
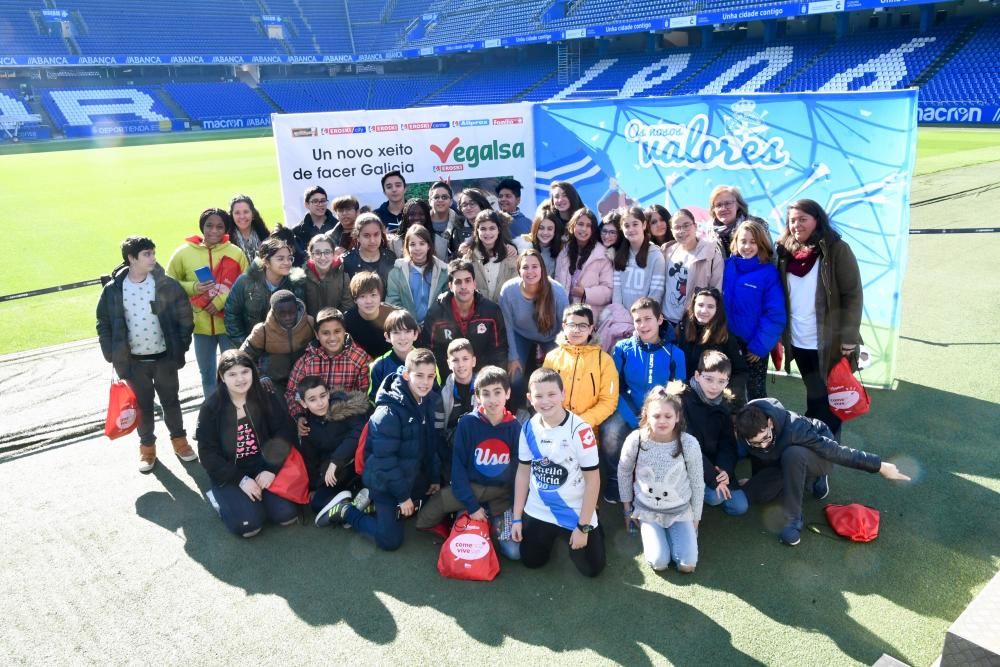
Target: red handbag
[845, 393]
[856, 522]
[123, 410]
[468, 552]
[292, 481]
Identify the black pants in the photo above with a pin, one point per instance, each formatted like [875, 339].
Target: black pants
[537, 538]
[757, 378]
[159, 375]
[788, 480]
[817, 400]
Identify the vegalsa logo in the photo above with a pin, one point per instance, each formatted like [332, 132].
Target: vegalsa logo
[474, 154]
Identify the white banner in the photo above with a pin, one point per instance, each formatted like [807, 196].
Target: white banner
[348, 152]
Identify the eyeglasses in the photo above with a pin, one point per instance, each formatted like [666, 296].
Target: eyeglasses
[441, 197]
[575, 326]
[763, 442]
[681, 228]
[317, 202]
[725, 204]
[609, 232]
[469, 204]
[321, 253]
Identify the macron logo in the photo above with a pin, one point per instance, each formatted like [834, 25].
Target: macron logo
[444, 153]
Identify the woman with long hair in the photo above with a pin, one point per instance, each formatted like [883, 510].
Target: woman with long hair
[658, 219]
[244, 436]
[470, 202]
[825, 301]
[610, 233]
[245, 227]
[690, 263]
[208, 298]
[327, 284]
[544, 239]
[755, 301]
[250, 299]
[418, 276]
[531, 305]
[638, 263]
[493, 256]
[417, 212]
[564, 201]
[582, 267]
[704, 328]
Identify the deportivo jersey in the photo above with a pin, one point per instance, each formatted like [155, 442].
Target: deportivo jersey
[558, 456]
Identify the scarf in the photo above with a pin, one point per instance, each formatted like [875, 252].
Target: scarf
[802, 261]
[701, 393]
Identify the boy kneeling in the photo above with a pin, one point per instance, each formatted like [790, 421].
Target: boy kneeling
[558, 481]
[482, 467]
[785, 449]
[401, 462]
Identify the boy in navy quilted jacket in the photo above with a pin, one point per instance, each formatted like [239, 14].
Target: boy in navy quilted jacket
[401, 462]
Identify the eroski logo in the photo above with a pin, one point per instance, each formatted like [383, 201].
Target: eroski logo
[667, 144]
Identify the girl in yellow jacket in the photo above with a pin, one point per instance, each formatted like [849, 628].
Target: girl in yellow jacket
[588, 372]
[225, 262]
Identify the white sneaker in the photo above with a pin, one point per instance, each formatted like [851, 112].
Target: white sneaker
[363, 500]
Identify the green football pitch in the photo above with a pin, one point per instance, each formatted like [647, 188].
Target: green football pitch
[107, 565]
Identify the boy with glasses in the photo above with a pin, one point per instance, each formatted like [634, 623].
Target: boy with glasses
[786, 449]
[587, 371]
[318, 220]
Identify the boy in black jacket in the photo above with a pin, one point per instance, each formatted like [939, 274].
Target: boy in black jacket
[707, 410]
[786, 449]
[144, 324]
[335, 421]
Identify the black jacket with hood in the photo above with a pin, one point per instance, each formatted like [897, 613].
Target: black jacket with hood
[333, 438]
[170, 305]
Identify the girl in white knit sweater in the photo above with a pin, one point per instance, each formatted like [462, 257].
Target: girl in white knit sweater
[668, 489]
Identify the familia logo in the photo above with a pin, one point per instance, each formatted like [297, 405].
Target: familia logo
[474, 154]
[674, 145]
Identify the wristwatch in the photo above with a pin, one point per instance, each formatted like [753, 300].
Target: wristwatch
[584, 528]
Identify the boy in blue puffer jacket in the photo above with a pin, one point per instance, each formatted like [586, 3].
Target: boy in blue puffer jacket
[644, 361]
[401, 462]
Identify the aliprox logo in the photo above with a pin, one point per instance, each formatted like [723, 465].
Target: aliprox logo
[474, 154]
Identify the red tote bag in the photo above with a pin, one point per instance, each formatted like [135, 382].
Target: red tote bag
[845, 393]
[123, 410]
[292, 481]
[468, 552]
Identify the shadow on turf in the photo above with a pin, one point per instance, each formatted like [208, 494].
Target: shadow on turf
[935, 547]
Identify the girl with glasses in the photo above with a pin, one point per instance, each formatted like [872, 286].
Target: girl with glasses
[327, 284]
[690, 262]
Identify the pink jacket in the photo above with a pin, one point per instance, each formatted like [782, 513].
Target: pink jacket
[707, 268]
[597, 277]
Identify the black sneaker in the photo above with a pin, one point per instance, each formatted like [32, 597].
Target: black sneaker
[325, 516]
[821, 487]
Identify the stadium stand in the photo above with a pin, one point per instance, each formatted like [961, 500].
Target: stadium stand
[206, 101]
[972, 76]
[81, 107]
[953, 62]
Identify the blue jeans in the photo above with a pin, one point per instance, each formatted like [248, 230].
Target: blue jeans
[525, 350]
[204, 353]
[735, 506]
[661, 545]
[384, 527]
[245, 517]
[613, 432]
